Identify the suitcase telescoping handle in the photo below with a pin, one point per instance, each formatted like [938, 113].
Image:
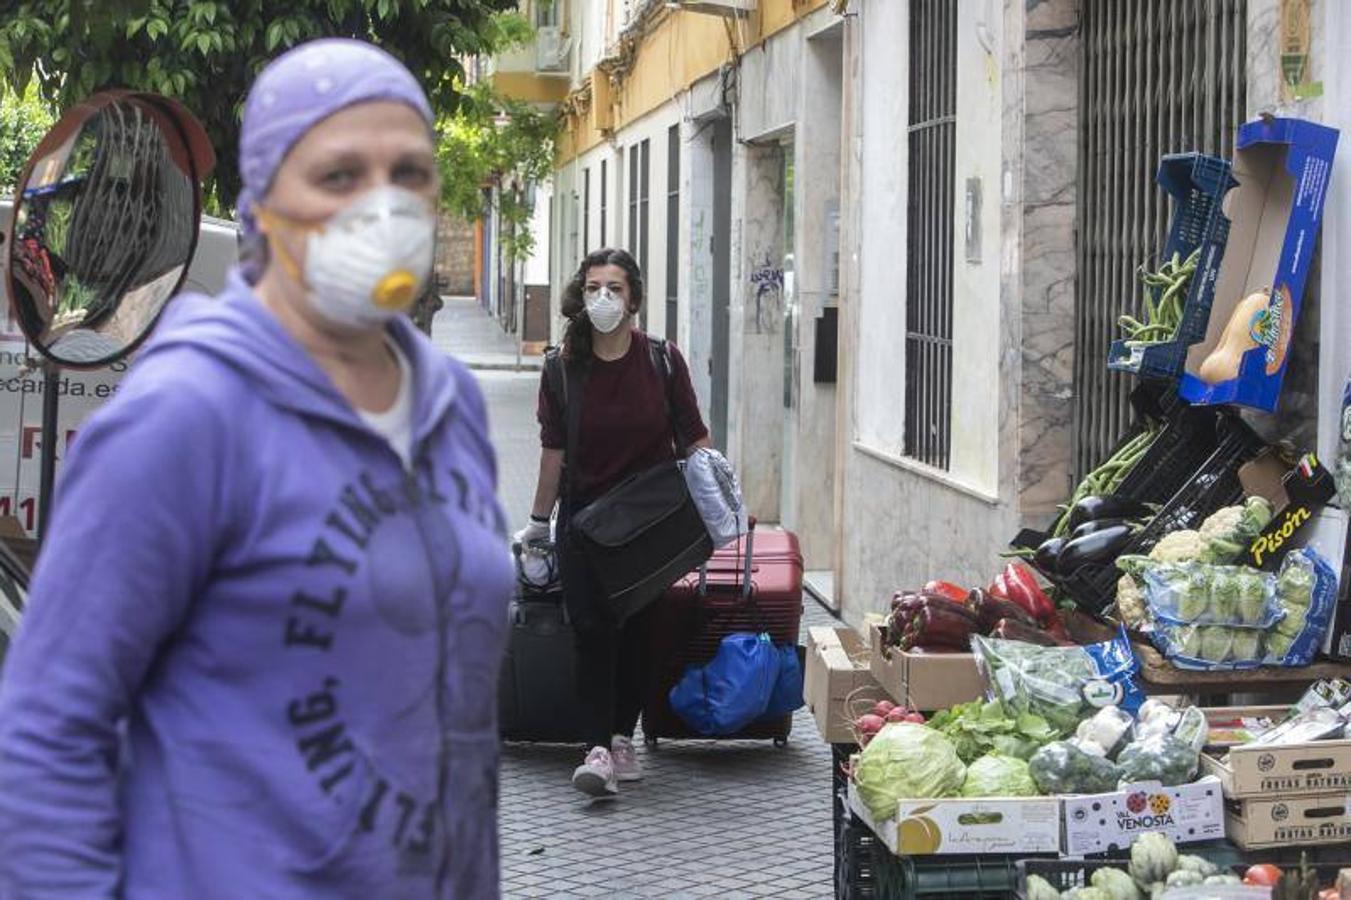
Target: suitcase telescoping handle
[746, 570]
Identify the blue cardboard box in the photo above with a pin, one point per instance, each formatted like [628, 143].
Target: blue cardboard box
[1197, 185]
[1282, 167]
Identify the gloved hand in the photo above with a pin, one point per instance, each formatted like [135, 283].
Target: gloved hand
[533, 532]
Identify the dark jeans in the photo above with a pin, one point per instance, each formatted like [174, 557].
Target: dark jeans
[614, 667]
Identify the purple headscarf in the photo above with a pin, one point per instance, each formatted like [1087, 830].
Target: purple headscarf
[301, 88]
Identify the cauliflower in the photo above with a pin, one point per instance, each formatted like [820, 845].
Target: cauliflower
[1222, 524]
[1227, 532]
[1130, 602]
[1179, 546]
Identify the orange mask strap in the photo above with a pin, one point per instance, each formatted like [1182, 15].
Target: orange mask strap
[273, 222]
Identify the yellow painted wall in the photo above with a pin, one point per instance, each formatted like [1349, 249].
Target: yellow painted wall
[529, 87]
[683, 48]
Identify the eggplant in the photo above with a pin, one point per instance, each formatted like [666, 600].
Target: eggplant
[1095, 525]
[1047, 557]
[1110, 506]
[1101, 547]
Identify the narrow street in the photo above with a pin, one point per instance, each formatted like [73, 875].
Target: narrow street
[727, 819]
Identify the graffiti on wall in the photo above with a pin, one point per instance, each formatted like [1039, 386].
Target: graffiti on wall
[767, 290]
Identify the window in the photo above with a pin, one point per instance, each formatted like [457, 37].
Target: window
[546, 13]
[1189, 60]
[672, 231]
[586, 211]
[604, 188]
[638, 209]
[929, 217]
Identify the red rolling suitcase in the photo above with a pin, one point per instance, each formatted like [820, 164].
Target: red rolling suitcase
[752, 585]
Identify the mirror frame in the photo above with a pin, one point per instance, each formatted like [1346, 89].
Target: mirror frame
[192, 152]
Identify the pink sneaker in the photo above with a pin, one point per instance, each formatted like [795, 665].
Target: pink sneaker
[625, 759]
[596, 776]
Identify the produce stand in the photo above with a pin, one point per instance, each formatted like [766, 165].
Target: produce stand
[1049, 725]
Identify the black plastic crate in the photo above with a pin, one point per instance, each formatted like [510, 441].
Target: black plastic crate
[1197, 184]
[984, 877]
[854, 848]
[1063, 874]
[1187, 437]
[1213, 486]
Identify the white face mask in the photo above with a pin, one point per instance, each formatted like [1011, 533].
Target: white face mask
[605, 309]
[369, 262]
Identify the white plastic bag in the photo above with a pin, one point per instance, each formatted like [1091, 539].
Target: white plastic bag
[716, 494]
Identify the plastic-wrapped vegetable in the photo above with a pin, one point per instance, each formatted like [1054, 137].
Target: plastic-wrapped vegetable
[1117, 884]
[1188, 725]
[1061, 767]
[1208, 647]
[1222, 878]
[1199, 594]
[1057, 683]
[1105, 730]
[1153, 857]
[1161, 758]
[1306, 589]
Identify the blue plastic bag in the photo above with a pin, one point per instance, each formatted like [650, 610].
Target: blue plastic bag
[787, 694]
[731, 690]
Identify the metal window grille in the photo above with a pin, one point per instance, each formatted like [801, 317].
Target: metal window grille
[1156, 77]
[638, 209]
[929, 256]
[604, 184]
[672, 231]
[586, 211]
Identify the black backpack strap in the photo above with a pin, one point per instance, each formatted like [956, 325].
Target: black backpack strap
[661, 359]
[566, 384]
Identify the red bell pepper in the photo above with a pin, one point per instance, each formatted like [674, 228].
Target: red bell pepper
[1017, 583]
[946, 589]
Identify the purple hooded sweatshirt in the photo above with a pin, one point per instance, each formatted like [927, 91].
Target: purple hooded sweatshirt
[260, 658]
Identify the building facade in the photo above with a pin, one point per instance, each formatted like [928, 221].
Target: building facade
[893, 238]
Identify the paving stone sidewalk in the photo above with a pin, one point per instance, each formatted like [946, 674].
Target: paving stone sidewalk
[466, 330]
[726, 819]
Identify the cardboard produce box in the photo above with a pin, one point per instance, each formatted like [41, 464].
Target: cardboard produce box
[1316, 819]
[924, 681]
[1100, 823]
[1317, 767]
[966, 825]
[1282, 166]
[837, 669]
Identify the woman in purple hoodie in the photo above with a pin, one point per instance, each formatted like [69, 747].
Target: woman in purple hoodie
[263, 638]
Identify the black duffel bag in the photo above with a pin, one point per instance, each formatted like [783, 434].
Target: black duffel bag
[645, 532]
[640, 537]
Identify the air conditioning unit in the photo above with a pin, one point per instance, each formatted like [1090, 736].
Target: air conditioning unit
[729, 8]
[551, 49]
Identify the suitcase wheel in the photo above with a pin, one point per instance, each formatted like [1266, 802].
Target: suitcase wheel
[781, 742]
[649, 741]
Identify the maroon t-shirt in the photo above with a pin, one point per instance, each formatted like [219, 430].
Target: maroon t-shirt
[624, 426]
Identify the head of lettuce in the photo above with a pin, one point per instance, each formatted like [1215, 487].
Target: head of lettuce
[907, 761]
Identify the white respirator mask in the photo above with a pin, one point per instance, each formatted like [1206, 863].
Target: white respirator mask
[369, 262]
[605, 309]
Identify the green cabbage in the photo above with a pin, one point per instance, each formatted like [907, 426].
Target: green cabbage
[999, 776]
[906, 761]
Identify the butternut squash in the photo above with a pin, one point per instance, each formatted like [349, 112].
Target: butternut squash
[1223, 362]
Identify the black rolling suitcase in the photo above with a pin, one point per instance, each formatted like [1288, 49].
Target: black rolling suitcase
[537, 691]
